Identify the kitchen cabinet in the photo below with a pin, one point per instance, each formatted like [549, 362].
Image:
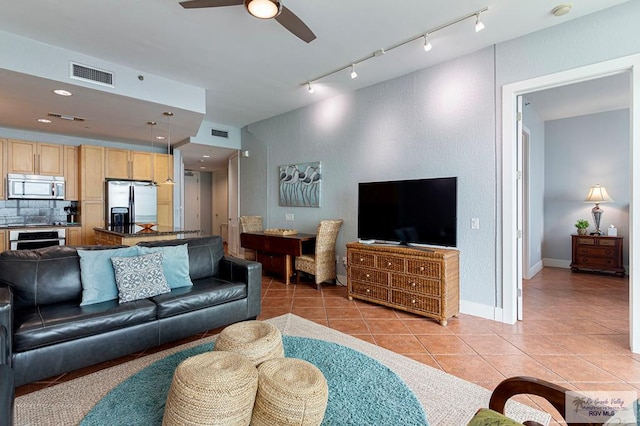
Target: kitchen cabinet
[3, 241]
[3, 168]
[91, 189]
[71, 172]
[125, 164]
[74, 236]
[163, 168]
[34, 158]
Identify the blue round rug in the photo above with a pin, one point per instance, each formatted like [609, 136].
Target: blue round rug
[361, 390]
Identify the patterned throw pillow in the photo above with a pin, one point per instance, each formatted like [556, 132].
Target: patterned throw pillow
[139, 277]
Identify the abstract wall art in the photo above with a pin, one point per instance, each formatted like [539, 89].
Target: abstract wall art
[300, 185]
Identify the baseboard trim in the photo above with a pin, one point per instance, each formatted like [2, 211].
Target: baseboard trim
[557, 263]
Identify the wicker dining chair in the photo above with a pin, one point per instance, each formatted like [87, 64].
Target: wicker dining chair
[250, 224]
[322, 264]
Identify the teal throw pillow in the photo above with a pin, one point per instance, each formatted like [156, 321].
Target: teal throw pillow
[139, 277]
[175, 263]
[97, 276]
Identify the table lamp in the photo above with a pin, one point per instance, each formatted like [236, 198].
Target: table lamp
[597, 194]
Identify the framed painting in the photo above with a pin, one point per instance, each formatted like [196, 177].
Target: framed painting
[300, 185]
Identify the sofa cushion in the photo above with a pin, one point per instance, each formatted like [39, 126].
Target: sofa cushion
[204, 293]
[97, 275]
[175, 264]
[51, 324]
[41, 276]
[139, 277]
[205, 254]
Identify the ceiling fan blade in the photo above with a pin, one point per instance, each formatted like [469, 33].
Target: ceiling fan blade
[196, 4]
[291, 22]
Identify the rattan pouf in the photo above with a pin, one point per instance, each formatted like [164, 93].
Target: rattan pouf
[290, 392]
[257, 340]
[214, 388]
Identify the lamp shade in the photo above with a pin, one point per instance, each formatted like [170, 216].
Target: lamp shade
[598, 194]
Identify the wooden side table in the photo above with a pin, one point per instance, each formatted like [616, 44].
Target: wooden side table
[597, 253]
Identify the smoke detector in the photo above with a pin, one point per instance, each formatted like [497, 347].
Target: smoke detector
[562, 9]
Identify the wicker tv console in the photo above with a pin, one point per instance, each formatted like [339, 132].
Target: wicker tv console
[424, 282]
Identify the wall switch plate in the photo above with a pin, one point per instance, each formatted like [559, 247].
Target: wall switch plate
[475, 223]
[288, 217]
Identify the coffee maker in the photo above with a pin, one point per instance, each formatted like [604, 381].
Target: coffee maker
[120, 216]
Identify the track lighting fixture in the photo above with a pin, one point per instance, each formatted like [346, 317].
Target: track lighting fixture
[380, 52]
[479, 24]
[169, 181]
[353, 74]
[427, 43]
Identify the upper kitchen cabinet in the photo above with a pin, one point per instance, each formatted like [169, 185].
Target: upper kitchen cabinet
[3, 167]
[71, 172]
[33, 158]
[163, 169]
[125, 164]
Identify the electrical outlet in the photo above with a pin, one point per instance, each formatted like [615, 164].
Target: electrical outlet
[344, 261]
[475, 223]
[288, 217]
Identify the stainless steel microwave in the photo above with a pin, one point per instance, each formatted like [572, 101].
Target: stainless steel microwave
[35, 187]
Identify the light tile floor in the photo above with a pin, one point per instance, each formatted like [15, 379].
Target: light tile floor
[575, 333]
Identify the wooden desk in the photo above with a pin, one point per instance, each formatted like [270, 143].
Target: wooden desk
[276, 252]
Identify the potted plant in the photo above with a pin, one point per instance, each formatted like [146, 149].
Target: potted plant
[582, 225]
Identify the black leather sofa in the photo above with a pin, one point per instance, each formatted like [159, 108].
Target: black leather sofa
[49, 333]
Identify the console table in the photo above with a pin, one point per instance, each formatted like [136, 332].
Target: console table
[597, 253]
[422, 281]
[276, 252]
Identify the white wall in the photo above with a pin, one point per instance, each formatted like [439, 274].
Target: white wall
[441, 121]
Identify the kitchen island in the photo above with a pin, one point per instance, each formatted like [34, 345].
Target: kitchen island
[131, 235]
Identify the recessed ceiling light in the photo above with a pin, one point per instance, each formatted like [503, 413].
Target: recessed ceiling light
[44, 120]
[62, 92]
[202, 167]
[562, 9]
[206, 156]
[160, 138]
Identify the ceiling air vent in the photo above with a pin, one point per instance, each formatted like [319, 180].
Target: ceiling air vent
[93, 75]
[65, 117]
[220, 133]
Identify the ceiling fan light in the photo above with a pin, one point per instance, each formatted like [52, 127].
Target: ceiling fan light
[263, 9]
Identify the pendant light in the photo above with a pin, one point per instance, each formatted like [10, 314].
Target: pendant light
[169, 181]
[153, 174]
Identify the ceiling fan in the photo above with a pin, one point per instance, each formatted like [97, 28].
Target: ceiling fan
[263, 9]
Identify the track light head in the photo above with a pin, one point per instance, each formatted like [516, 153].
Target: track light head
[479, 24]
[427, 43]
[310, 87]
[354, 74]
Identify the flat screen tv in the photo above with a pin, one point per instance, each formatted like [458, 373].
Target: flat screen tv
[420, 211]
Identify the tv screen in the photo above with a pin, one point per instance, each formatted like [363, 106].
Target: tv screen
[420, 211]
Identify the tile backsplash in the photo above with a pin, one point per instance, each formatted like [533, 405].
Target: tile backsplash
[30, 212]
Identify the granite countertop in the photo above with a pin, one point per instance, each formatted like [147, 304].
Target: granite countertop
[138, 231]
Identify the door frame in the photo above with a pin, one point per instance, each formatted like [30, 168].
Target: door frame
[509, 218]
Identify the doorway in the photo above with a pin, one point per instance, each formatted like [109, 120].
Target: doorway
[511, 240]
[192, 199]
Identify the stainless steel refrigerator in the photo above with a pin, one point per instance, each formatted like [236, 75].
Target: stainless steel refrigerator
[141, 198]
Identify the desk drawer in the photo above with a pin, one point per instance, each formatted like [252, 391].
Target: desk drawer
[271, 262]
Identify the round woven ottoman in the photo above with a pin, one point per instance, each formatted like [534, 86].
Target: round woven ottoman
[214, 388]
[291, 391]
[257, 340]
